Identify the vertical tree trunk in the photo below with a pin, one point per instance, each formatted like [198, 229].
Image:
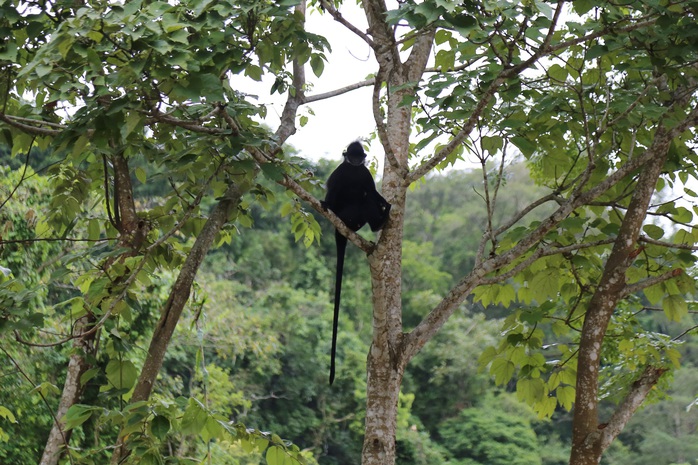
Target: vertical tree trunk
[178, 298]
[589, 437]
[384, 365]
[83, 347]
[386, 361]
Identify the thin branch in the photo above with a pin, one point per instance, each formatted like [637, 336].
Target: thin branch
[33, 121]
[381, 128]
[340, 19]
[513, 220]
[195, 127]
[340, 91]
[416, 339]
[55, 239]
[43, 398]
[544, 252]
[22, 177]
[691, 329]
[645, 283]
[34, 130]
[60, 342]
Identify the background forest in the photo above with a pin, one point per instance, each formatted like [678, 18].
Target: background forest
[253, 346]
[167, 260]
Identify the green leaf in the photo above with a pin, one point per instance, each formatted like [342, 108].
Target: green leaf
[557, 73]
[530, 390]
[77, 415]
[526, 147]
[545, 284]
[502, 370]
[674, 356]
[194, 418]
[565, 396]
[675, 307]
[445, 59]
[276, 456]
[487, 356]
[160, 426]
[654, 293]
[273, 171]
[254, 72]
[596, 51]
[506, 294]
[491, 144]
[212, 429]
[546, 407]
[88, 375]
[317, 64]
[122, 374]
[132, 120]
[442, 36]
[140, 175]
[10, 52]
[6, 413]
[683, 236]
[486, 294]
[568, 376]
[653, 231]
[93, 229]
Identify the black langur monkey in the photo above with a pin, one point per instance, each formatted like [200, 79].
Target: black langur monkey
[352, 196]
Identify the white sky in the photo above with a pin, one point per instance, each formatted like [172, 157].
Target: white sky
[340, 120]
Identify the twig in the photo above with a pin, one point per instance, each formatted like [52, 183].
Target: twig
[22, 177]
[43, 398]
[340, 19]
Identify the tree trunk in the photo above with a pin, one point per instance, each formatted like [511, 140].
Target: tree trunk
[386, 359]
[384, 365]
[83, 347]
[178, 298]
[590, 438]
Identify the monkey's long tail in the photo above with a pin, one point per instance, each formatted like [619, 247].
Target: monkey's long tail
[341, 249]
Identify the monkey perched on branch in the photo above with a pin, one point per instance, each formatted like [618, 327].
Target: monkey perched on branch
[352, 196]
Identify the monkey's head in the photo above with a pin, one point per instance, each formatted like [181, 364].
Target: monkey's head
[354, 154]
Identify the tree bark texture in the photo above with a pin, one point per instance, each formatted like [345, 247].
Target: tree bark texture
[132, 231]
[83, 348]
[179, 295]
[386, 361]
[589, 440]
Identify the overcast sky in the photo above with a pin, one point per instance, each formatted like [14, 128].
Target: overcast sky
[340, 120]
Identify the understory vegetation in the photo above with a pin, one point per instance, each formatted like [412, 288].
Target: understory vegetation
[253, 346]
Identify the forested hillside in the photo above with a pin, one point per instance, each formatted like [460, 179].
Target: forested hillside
[253, 346]
[167, 258]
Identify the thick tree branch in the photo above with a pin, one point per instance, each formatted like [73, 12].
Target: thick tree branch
[545, 49]
[363, 244]
[179, 295]
[416, 339]
[587, 444]
[341, 91]
[633, 400]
